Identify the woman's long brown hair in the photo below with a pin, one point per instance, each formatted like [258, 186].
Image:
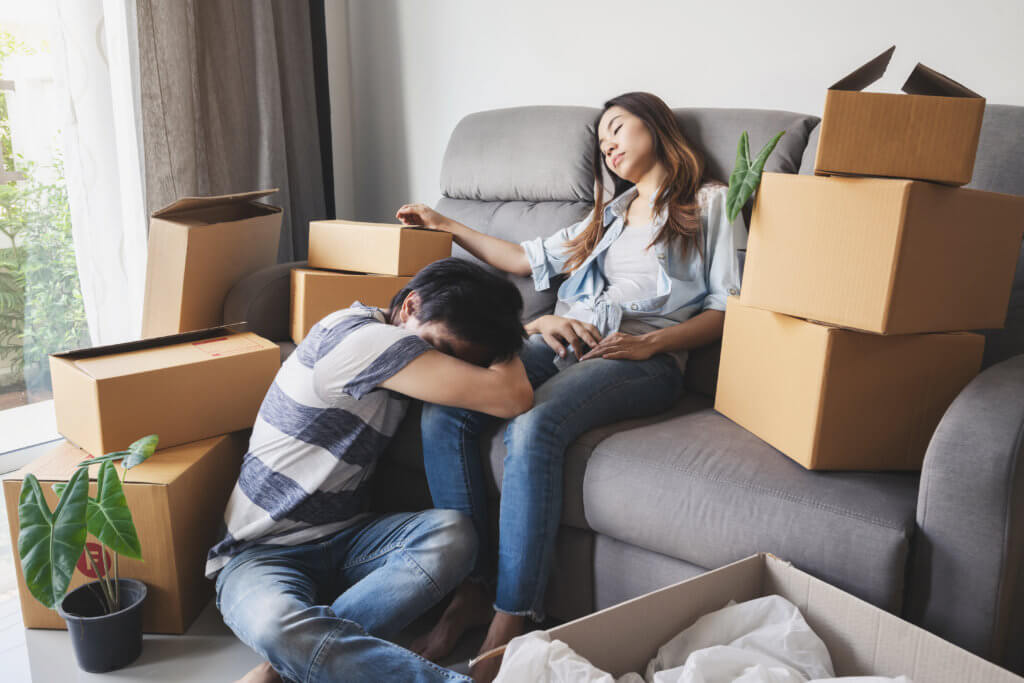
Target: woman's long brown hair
[678, 197]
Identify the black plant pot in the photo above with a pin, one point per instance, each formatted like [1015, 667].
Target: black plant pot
[104, 642]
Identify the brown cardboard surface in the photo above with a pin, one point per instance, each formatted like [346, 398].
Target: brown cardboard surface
[835, 399]
[176, 526]
[930, 133]
[379, 248]
[182, 387]
[316, 293]
[862, 639]
[199, 247]
[882, 255]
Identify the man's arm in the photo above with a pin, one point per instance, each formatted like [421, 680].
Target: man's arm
[502, 390]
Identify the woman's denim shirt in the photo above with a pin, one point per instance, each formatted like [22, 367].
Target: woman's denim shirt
[686, 285]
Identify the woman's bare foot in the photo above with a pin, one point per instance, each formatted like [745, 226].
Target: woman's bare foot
[470, 606]
[264, 673]
[504, 627]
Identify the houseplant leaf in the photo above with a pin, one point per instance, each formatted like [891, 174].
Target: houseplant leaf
[746, 176]
[103, 458]
[50, 543]
[140, 451]
[109, 519]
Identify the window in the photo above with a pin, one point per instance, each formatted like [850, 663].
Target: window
[41, 308]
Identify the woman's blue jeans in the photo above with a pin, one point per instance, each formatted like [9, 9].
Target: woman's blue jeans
[319, 612]
[567, 403]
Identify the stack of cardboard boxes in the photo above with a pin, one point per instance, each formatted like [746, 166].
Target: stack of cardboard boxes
[198, 389]
[351, 261]
[847, 343]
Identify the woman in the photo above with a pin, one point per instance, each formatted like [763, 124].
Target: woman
[648, 277]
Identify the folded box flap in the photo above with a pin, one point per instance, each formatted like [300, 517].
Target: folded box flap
[926, 81]
[152, 342]
[867, 74]
[193, 203]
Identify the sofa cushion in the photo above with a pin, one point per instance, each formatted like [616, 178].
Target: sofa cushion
[702, 489]
[406, 450]
[810, 152]
[717, 131]
[532, 154]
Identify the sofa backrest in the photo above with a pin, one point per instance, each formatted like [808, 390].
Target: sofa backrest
[525, 172]
[997, 168]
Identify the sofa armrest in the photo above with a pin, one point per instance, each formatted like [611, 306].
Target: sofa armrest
[965, 580]
[263, 299]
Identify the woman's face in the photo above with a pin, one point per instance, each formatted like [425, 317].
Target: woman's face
[626, 145]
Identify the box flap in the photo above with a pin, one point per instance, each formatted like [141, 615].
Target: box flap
[926, 81]
[867, 74]
[365, 224]
[152, 342]
[192, 203]
[59, 463]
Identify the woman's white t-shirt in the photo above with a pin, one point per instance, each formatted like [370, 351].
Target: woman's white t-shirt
[630, 268]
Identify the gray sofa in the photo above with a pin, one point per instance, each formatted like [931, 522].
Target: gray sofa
[653, 501]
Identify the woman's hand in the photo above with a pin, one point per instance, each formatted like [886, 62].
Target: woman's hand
[621, 346]
[423, 215]
[559, 332]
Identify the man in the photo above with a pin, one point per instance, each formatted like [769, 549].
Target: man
[305, 575]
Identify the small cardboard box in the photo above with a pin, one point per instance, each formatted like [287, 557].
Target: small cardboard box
[833, 399]
[184, 387]
[177, 499]
[199, 247]
[316, 293]
[379, 248]
[930, 133]
[862, 640]
[882, 255]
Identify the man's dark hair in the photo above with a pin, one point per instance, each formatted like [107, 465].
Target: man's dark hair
[477, 306]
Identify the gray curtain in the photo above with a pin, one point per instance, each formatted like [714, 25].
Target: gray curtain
[229, 105]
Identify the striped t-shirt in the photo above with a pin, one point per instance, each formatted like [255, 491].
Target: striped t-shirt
[318, 434]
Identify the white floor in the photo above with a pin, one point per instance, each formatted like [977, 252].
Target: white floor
[207, 652]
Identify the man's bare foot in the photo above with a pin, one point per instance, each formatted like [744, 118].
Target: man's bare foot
[264, 673]
[470, 606]
[504, 627]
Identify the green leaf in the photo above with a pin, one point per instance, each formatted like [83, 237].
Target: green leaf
[140, 451]
[746, 177]
[109, 457]
[50, 543]
[109, 519]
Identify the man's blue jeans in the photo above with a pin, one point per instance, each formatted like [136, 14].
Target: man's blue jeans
[320, 612]
[567, 403]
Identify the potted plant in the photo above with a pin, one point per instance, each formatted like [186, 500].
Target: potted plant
[104, 617]
[746, 175]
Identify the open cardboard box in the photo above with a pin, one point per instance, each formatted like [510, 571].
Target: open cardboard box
[379, 248]
[317, 293]
[183, 387]
[199, 248]
[833, 399]
[177, 500]
[882, 255]
[930, 133]
[862, 639]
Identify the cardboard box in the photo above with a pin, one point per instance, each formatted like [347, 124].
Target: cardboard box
[379, 248]
[833, 399]
[199, 247]
[317, 293]
[931, 133]
[861, 639]
[882, 255]
[183, 387]
[177, 499]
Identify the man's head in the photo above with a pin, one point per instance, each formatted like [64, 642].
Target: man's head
[462, 310]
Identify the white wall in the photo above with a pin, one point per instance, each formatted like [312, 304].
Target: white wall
[419, 66]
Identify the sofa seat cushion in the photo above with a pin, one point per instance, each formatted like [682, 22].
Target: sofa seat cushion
[406, 450]
[700, 488]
